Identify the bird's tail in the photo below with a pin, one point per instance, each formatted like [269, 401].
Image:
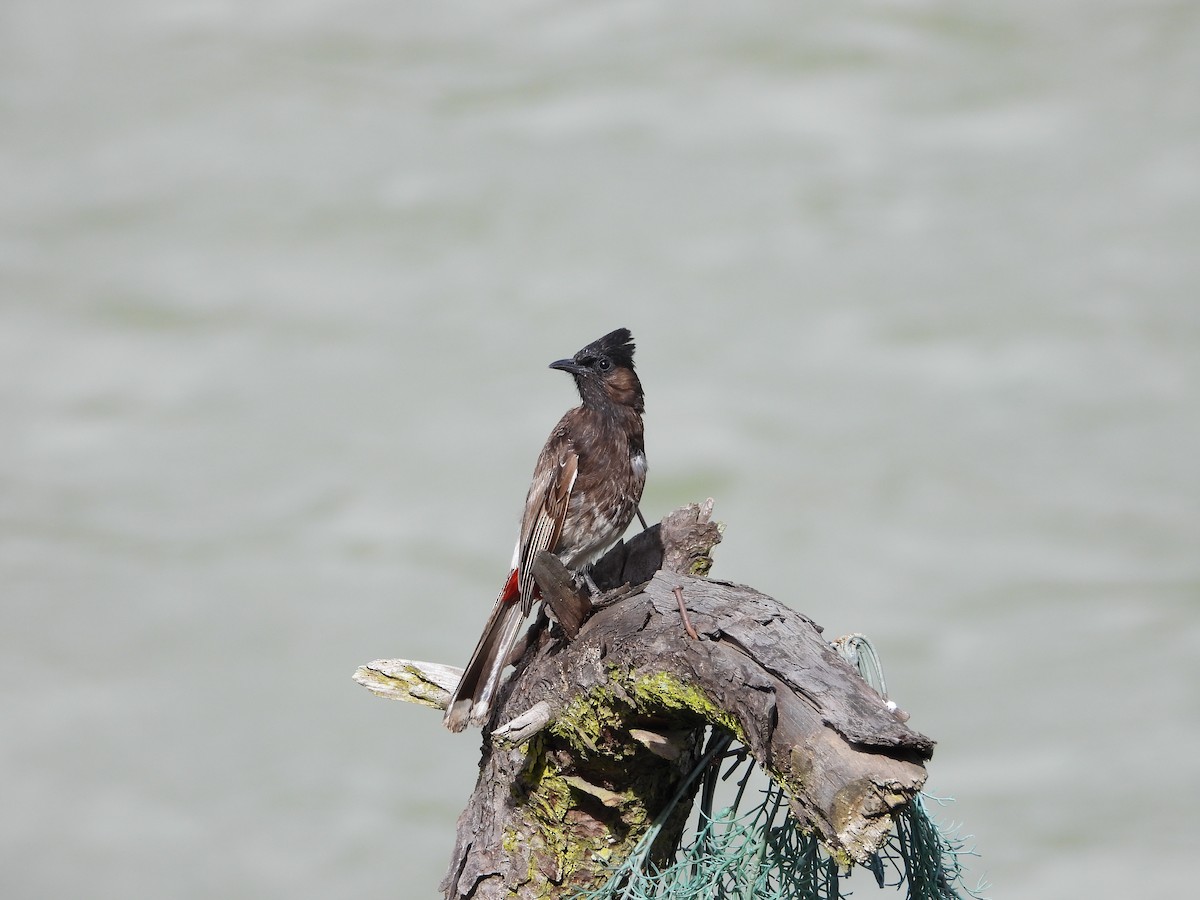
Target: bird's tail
[472, 699]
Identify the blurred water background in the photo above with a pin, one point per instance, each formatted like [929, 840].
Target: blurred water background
[914, 286]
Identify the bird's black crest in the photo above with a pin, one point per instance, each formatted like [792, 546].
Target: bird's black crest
[617, 345]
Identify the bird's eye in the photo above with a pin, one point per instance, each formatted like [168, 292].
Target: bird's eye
[603, 364]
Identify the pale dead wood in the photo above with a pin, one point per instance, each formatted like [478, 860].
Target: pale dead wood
[426, 683]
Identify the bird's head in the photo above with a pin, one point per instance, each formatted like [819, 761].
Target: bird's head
[603, 371]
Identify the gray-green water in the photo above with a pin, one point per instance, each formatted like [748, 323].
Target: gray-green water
[915, 290]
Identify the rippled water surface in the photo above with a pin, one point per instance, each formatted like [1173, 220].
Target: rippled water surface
[915, 291]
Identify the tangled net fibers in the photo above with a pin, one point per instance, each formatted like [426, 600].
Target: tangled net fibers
[759, 852]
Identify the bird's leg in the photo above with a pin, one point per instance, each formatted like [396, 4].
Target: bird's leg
[586, 577]
[641, 518]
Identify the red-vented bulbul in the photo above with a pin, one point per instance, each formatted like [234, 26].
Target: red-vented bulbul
[586, 487]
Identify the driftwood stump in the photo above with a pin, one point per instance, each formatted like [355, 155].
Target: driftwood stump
[592, 737]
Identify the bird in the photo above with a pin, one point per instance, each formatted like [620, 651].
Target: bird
[586, 487]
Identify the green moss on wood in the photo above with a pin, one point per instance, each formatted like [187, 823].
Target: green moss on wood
[662, 691]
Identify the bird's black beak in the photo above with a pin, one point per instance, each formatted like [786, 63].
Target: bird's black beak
[567, 365]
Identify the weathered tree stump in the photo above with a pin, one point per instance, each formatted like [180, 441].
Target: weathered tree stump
[591, 738]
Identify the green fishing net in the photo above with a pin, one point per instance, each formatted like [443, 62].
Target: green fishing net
[752, 847]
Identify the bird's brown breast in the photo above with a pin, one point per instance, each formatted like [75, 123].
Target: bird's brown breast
[608, 484]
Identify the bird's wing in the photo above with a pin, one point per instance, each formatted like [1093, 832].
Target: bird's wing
[545, 512]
